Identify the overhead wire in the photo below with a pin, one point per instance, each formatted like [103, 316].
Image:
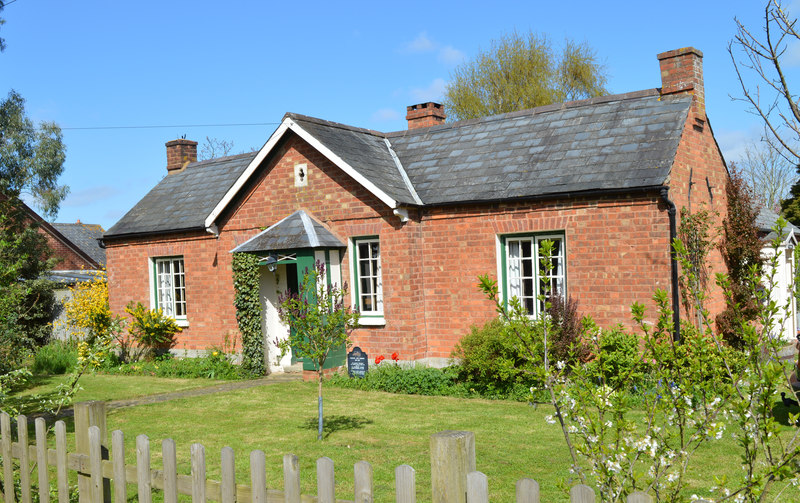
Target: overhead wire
[157, 126]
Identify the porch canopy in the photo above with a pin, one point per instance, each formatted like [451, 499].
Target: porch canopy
[296, 231]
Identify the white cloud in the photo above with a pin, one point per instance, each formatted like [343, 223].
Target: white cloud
[450, 55]
[421, 44]
[734, 142]
[385, 115]
[91, 195]
[433, 92]
[445, 53]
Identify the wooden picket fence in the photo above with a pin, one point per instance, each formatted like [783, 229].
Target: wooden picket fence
[453, 475]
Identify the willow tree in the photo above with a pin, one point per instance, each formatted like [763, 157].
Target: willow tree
[523, 71]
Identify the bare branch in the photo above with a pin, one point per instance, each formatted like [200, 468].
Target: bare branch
[763, 57]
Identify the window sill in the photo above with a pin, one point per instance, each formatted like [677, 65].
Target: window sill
[182, 323]
[372, 321]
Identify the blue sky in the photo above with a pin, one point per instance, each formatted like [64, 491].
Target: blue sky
[89, 64]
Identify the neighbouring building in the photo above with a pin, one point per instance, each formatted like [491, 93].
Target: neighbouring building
[411, 218]
[80, 259]
[780, 281]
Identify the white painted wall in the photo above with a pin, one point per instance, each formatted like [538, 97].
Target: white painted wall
[782, 294]
[271, 284]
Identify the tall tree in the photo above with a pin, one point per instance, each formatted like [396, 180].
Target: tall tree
[761, 61]
[790, 208]
[2, 22]
[741, 250]
[31, 160]
[768, 173]
[523, 71]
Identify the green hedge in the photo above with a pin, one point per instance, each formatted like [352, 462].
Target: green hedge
[248, 312]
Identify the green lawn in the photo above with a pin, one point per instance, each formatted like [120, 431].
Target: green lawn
[114, 387]
[512, 439]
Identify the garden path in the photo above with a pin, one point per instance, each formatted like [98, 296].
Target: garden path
[217, 388]
[174, 395]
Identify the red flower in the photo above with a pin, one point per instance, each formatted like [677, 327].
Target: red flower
[379, 359]
[395, 356]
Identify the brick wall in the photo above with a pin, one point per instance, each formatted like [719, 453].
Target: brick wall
[617, 250]
[697, 183]
[68, 259]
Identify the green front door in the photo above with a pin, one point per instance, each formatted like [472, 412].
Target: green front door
[295, 271]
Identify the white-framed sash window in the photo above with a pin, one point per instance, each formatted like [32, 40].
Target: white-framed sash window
[169, 286]
[526, 277]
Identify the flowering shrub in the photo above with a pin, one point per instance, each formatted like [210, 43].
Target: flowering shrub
[699, 391]
[87, 313]
[90, 321]
[150, 330]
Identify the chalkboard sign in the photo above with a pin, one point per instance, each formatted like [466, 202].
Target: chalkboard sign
[357, 362]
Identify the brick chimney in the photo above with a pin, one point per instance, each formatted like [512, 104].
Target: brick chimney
[425, 115]
[180, 153]
[682, 73]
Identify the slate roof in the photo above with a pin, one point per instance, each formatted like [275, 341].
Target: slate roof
[612, 142]
[298, 230]
[85, 237]
[71, 277]
[364, 150]
[766, 220]
[620, 142]
[182, 200]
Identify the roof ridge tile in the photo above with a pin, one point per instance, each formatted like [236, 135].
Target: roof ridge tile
[553, 107]
[339, 125]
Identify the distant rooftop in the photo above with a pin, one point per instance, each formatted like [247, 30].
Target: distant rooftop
[86, 237]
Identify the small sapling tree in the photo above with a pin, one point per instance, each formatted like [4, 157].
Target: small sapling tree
[321, 321]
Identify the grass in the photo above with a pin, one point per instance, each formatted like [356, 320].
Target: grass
[109, 387]
[385, 429]
[513, 440]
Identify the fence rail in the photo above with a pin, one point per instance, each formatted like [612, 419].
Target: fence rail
[453, 475]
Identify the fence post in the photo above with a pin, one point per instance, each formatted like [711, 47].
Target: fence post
[24, 460]
[452, 458]
[8, 461]
[581, 494]
[90, 414]
[405, 484]
[363, 482]
[528, 491]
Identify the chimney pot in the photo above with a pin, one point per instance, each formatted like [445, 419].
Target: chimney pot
[180, 153]
[682, 73]
[425, 115]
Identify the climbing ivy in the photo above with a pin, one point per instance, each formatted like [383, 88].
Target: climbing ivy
[248, 312]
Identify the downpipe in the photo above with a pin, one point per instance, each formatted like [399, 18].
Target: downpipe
[673, 234]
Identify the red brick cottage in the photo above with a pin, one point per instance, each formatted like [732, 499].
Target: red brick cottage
[411, 218]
